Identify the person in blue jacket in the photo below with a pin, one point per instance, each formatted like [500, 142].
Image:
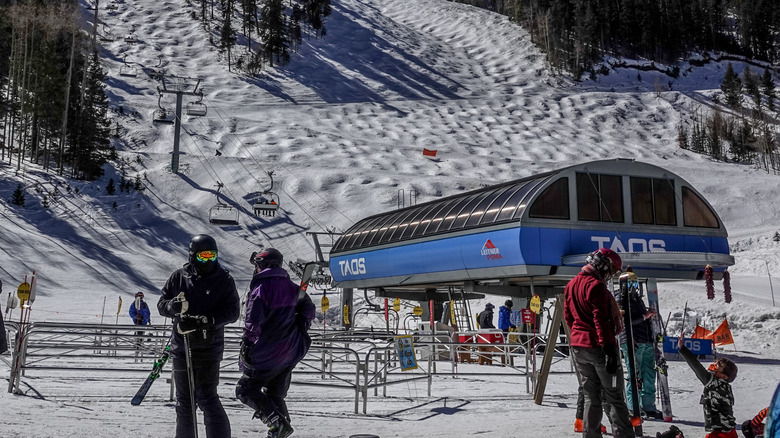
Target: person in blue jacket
[201, 298]
[144, 316]
[275, 339]
[505, 317]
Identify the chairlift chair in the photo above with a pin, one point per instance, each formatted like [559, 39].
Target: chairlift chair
[127, 70]
[162, 116]
[106, 35]
[198, 108]
[222, 214]
[268, 202]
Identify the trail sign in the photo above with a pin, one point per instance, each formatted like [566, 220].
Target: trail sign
[405, 348]
[397, 305]
[325, 304]
[527, 316]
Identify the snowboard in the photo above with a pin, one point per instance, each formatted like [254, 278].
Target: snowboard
[659, 331]
[156, 369]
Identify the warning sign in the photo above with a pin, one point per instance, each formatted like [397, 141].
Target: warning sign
[536, 304]
[23, 292]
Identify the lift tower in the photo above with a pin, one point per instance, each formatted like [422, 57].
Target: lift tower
[179, 86]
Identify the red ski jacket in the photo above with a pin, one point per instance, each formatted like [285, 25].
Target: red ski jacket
[588, 310]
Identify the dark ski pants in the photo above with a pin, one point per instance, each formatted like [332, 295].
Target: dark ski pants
[206, 375]
[265, 390]
[598, 383]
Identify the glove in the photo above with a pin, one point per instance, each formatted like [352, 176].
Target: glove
[245, 353]
[612, 359]
[193, 323]
[178, 305]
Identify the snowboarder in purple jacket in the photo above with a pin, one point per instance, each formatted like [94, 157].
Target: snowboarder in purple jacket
[275, 339]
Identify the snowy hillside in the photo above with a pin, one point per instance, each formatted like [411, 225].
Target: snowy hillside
[343, 128]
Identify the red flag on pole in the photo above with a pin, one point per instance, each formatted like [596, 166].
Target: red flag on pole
[429, 152]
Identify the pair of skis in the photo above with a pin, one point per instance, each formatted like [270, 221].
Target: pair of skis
[659, 331]
[159, 363]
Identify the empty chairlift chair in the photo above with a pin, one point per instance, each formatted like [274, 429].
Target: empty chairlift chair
[197, 109]
[162, 115]
[127, 69]
[221, 213]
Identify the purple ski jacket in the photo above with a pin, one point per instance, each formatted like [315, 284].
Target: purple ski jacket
[276, 320]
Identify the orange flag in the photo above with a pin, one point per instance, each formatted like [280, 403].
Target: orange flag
[721, 335]
[701, 333]
[429, 152]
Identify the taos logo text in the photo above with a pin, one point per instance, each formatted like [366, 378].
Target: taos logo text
[353, 266]
[490, 251]
[633, 244]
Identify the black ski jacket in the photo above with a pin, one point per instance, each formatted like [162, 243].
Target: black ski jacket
[213, 296]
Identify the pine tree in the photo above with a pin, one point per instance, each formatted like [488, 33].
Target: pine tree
[18, 196]
[90, 136]
[227, 35]
[138, 186]
[682, 137]
[732, 87]
[111, 188]
[273, 33]
[768, 87]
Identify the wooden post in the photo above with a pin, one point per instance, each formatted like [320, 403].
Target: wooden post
[549, 350]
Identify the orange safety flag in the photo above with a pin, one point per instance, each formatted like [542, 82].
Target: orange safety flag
[722, 334]
[701, 333]
[429, 152]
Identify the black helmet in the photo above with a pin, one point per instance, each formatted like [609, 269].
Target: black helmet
[267, 258]
[489, 306]
[203, 243]
[508, 304]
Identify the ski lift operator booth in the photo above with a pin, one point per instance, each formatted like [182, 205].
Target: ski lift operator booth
[532, 235]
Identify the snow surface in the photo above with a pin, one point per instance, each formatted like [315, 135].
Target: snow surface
[343, 127]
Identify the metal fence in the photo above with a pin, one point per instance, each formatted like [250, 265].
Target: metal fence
[357, 360]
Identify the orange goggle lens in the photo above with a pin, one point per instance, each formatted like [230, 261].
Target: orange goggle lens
[206, 256]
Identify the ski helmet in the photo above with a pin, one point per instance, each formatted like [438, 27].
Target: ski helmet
[139, 295]
[606, 261]
[203, 253]
[508, 304]
[268, 258]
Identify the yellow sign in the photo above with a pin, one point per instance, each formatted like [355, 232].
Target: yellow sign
[346, 314]
[397, 305]
[325, 304]
[417, 310]
[536, 304]
[23, 292]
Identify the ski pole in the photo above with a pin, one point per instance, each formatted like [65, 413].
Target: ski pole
[191, 381]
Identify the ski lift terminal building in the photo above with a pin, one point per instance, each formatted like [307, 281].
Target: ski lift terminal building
[533, 234]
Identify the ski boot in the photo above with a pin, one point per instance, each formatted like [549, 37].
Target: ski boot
[578, 426]
[673, 432]
[278, 425]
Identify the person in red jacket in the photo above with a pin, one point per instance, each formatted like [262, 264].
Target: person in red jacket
[590, 312]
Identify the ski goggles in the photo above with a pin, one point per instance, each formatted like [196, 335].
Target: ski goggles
[206, 256]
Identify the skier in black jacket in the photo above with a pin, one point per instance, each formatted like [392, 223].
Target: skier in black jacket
[201, 298]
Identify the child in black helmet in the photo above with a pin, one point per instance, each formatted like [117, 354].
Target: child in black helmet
[717, 398]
